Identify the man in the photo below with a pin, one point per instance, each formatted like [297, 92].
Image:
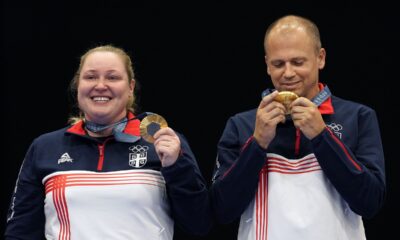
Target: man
[306, 169]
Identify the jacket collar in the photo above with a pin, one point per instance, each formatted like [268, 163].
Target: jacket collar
[132, 127]
[325, 107]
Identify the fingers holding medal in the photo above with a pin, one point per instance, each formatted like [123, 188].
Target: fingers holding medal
[286, 98]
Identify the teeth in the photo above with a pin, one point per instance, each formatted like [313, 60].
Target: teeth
[101, 99]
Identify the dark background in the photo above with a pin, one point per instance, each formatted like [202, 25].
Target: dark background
[197, 64]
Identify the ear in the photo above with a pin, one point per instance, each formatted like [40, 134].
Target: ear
[266, 62]
[321, 58]
[132, 85]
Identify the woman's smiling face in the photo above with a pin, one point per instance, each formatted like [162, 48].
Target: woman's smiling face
[104, 88]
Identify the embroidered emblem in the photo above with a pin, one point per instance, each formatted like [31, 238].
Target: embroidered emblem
[138, 156]
[336, 128]
[65, 158]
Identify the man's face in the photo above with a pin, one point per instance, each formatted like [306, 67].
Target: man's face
[293, 62]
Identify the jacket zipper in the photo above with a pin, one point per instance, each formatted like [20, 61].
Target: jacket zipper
[101, 157]
[297, 142]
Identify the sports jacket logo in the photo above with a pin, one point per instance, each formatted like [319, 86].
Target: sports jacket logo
[65, 158]
[336, 128]
[138, 156]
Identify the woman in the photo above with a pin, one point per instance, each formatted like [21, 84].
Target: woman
[97, 179]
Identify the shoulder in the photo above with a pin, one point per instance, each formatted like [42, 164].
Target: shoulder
[248, 115]
[51, 137]
[348, 106]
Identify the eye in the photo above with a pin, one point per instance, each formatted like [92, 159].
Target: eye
[278, 64]
[114, 77]
[298, 62]
[89, 77]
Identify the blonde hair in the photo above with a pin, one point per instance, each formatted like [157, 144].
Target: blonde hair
[131, 104]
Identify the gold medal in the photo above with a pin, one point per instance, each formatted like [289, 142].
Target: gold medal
[150, 125]
[286, 98]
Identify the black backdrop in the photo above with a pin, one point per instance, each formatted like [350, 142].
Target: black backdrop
[197, 64]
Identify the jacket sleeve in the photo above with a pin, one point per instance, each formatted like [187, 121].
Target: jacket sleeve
[25, 218]
[236, 174]
[188, 193]
[358, 175]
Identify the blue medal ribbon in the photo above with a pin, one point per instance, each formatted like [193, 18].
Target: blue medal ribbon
[118, 128]
[321, 97]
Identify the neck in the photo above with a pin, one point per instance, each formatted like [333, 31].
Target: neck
[105, 133]
[313, 93]
[101, 130]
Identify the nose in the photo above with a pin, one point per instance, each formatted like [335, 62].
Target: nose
[101, 84]
[289, 71]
